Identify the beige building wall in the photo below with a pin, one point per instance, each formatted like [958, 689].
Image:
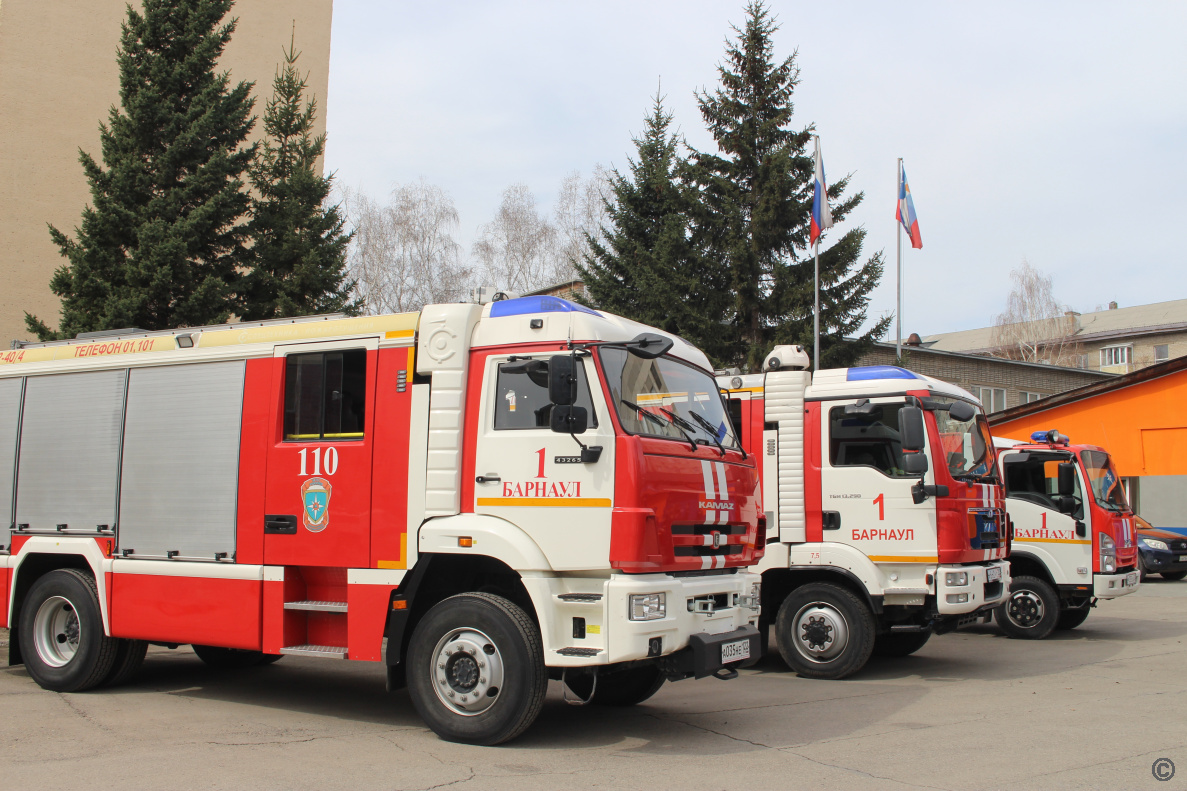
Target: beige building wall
[58, 80]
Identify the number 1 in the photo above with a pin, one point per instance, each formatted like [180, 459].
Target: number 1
[540, 452]
[878, 501]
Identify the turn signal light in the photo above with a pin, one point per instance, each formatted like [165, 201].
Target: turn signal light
[465, 541]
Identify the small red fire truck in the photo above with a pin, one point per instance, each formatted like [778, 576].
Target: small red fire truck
[885, 515]
[472, 494]
[1074, 534]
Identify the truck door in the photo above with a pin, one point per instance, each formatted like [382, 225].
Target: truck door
[1062, 541]
[533, 477]
[318, 483]
[865, 493]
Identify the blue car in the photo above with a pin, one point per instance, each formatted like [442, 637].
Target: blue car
[1161, 551]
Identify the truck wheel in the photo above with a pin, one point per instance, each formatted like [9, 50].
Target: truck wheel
[476, 669]
[622, 688]
[230, 658]
[1071, 617]
[895, 644]
[1174, 576]
[61, 630]
[825, 631]
[128, 659]
[1031, 610]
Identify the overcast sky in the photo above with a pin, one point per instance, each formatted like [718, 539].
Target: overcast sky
[1055, 131]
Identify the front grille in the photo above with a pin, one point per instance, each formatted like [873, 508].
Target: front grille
[986, 526]
[706, 552]
[1179, 546]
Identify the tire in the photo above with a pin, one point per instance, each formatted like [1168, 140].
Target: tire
[229, 658]
[1071, 617]
[896, 644]
[1142, 573]
[622, 688]
[479, 645]
[1174, 576]
[825, 631]
[1031, 611]
[128, 659]
[61, 630]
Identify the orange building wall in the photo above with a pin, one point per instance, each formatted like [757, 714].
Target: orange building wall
[1143, 427]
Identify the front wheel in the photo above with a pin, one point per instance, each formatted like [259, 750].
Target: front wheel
[896, 644]
[476, 669]
[1031, 611]
[62, 640]
[824, 631]
[1174, 576]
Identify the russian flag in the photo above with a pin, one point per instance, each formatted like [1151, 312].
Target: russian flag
[821, 217]
[905, 213]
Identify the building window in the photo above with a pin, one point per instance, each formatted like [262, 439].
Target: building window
[1025, 397]
[325, 395]
[992, 398]
[1162, 352]
[1115, 355]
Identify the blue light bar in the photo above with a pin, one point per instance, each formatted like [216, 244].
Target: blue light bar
[1052, 437]
[867, 372]
[1038, 436]
[540, 304]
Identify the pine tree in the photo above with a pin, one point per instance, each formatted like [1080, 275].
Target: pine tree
[298, 257]
[756, 197]
[163, 241]
[646, 264]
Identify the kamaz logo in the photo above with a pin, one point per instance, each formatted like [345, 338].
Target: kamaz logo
[716, 505]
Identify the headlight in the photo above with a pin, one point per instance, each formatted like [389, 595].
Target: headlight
[1154, 543]
[648, 606]
[955, 579]
[1106, 543]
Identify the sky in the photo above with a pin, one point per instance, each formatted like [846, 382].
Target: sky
[1054, 132]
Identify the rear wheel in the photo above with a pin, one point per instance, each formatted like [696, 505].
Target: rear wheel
[622, 688]
[824, 631]
[895, 644]
[1071, 617]
[1174, 576]
[61, 629]
[475, 669]
[1031, 610]
[231, 658]
[128, 659]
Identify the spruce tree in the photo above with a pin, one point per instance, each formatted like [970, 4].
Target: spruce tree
[756, 200]
[646, 264]
[162, 242]
[298, 256]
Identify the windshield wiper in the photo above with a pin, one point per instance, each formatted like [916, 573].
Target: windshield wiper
[681, 425]
[658, 420]
[708, 428]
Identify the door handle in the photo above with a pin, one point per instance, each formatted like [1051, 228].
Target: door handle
[830, 520]
[488, 478]
[285, 524]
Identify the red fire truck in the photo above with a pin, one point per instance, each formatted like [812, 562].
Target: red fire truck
[886, 518]
[471, 494]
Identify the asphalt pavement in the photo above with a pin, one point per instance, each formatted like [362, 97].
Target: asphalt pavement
[1095, 707]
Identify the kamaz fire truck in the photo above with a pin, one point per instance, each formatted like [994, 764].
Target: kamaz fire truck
[471, 494]
[1074, 534]
[885, 514]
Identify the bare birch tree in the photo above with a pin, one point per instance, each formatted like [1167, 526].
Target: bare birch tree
[1034, 327]
[403, 254]
[516, 250]
[580, 213]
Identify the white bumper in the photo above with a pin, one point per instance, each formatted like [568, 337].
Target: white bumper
[978, 593]
[1110, 586]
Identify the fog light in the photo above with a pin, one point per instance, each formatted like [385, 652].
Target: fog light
[958, 598]
[955, 579]
[648, 606]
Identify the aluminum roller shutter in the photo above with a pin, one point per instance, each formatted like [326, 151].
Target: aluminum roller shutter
[10, 421]
[70, 447]
[179, 487]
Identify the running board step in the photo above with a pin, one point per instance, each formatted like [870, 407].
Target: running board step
[579, 651]
[316, 606]
[325, 651]
[580, 597]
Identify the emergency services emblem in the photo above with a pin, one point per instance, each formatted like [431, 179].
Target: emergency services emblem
[315, 497]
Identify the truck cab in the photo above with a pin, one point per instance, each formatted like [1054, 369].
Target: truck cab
[1074, 533]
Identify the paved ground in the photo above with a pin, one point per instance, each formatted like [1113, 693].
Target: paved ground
[1091, 708]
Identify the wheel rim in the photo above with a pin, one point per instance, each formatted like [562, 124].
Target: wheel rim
[56, 631]
[821, 632]
[1026, 609]
[467, 671]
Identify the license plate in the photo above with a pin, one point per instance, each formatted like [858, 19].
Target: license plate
[732, 652]
[1183, 558]
[1131, 579]
[993, 573]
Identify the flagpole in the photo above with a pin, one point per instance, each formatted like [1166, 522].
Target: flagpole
[898, 311]
[816, 312]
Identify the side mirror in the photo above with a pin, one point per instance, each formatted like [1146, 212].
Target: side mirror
[911, 429]
[1067, 479]
[568, 419]
[649, 345]
[1066, 504]
[962, 411]
[914, 463]
[562, 382]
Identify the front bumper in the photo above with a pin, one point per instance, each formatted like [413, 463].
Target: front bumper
[1157, 561]
[979, 593]
[1110, 586]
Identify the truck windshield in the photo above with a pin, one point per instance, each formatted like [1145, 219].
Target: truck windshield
[1106, 485]
[968, 447]
[666, 398]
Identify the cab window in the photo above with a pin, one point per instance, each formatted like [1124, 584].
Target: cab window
[521, 394]
[867, 440]
[325, 395]
[1034, 477]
